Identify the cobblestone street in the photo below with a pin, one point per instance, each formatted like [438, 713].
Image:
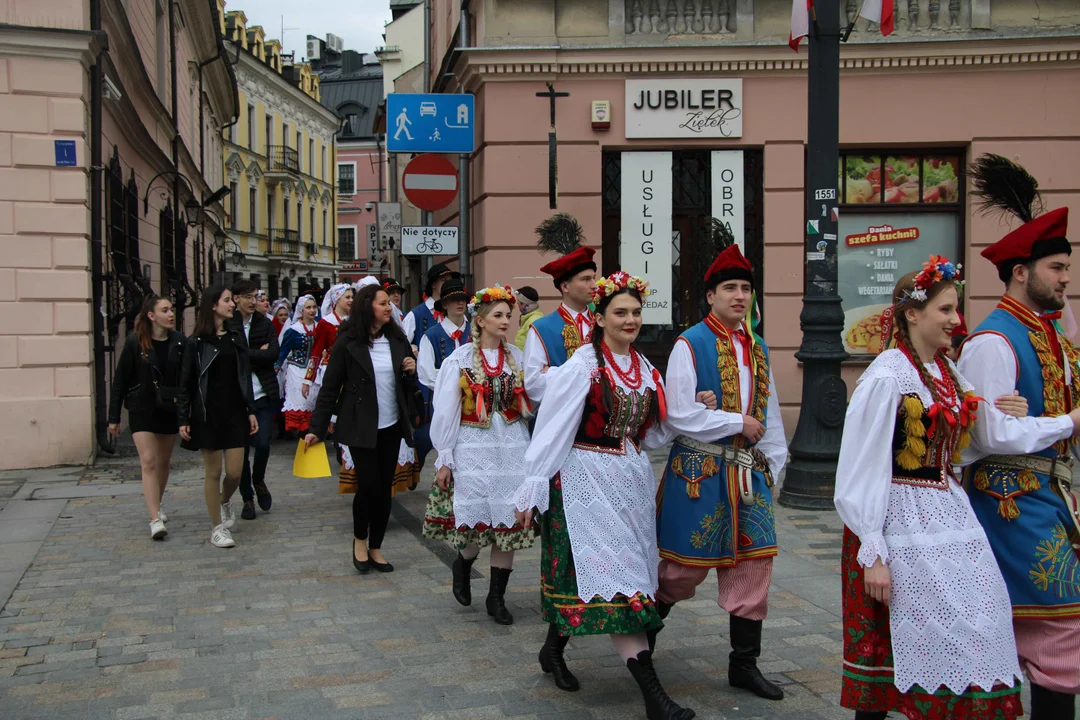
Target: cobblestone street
[106, 623]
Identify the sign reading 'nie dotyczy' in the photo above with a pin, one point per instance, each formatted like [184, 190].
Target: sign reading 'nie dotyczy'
[684, 108]
[429, 240]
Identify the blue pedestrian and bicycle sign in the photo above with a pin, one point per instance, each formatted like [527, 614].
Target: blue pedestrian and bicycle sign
[430, 123]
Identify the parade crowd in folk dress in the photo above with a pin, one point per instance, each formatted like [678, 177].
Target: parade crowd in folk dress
[961, 546]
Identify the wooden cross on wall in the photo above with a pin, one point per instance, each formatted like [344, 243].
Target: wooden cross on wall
[553, 160]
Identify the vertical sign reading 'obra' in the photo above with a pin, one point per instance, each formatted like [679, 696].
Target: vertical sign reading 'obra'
[645, 244]
[728, 202]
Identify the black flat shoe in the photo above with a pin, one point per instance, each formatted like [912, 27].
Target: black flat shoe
[262, 493]
[362, 566]
[382, 567]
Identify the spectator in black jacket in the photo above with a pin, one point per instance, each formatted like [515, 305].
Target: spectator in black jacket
[262, 351]
[146, 382]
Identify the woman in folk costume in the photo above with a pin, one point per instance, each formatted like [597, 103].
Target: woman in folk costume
[587, 471]
[927, 623]
[480, 432]
[280, 314]
[335, 309]
[295, 342]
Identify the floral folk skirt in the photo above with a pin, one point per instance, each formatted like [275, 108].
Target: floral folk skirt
[558, 586]
[439, 524]
[868, 663]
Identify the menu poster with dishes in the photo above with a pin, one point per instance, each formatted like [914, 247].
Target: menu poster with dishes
[873, 252]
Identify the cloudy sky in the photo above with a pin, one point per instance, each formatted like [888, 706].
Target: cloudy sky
[359, 22]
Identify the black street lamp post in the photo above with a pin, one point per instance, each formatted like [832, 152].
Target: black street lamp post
[811, 476]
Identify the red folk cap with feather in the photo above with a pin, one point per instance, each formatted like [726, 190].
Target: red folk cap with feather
[730, 264]
[561, 233]
[1004, 187]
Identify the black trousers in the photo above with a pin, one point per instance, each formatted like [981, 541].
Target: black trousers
[260, 443]
[374, 486]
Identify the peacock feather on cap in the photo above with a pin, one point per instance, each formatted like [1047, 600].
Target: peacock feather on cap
[1002, 186]
[720, 237]
[561, 233]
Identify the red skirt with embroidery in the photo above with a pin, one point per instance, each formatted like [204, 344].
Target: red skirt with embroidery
[868, 663]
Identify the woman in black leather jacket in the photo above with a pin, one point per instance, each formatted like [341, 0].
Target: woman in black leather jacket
[216, 405]
[145, 381]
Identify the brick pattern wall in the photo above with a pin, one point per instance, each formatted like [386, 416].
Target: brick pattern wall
[45, 344]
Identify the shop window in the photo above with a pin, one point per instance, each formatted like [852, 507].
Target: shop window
[897, 209]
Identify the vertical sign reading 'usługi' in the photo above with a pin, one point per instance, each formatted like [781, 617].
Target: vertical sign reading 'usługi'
[645, 244]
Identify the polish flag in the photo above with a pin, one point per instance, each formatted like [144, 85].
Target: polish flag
[800, 21]
[881, 12]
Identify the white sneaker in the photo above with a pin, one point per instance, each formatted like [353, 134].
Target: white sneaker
[161, 515]
[157, 529]
[221, 537]
[228, 518]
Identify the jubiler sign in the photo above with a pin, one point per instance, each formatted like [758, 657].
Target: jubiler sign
[684, 108]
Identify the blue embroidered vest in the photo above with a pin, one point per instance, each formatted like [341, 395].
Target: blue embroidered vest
[424, 322]
[701, 519]
[550, 328]
[443, 344]
[1027, 523]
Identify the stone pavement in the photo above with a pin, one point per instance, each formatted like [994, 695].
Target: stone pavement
[105, 623]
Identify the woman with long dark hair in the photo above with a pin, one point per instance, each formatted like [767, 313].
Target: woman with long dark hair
[587, 470]
[146, 382]
[368, 384]
[217, 405]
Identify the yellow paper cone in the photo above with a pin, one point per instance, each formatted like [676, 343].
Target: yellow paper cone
[311, 464]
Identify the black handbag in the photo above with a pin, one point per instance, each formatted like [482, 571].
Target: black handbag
[165, 398]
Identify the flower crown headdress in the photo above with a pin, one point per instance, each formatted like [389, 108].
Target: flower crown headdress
[495, 293]
[937, 269]
[606, 287]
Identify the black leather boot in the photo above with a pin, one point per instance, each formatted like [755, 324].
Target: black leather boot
[552, 661]
[496, 605]
[658, 706]
[1051, 705]
[742, 662]
[462, 585]
[664, 609]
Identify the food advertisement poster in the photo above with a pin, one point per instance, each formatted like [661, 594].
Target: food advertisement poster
[874, 250]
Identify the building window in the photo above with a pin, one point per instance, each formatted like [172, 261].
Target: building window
[284, 215]
[299, 221]
[252, 209]
[346, 243]
[270, 213]
[269, 133]
[325, 233]
[898, 208]
[252, 131]
[322, 166]
[299, 151]
[285, 134]
[311, 224]
[311, 157]
[233, 204]
[346, 174]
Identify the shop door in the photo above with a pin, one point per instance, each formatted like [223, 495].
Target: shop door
[691, 252]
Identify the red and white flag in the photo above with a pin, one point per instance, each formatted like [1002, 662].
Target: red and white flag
[800, 22]
[881, 12]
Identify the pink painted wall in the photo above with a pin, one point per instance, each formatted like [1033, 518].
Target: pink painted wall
[351, 210]
[979, 110]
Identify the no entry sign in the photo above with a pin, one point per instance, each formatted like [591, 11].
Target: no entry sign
[430, 182]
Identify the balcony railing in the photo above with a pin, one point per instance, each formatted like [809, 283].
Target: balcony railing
[284, 159]
[285, 243]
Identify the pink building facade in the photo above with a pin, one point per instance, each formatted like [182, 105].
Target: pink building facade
[360, 180]
[914, 112]
[69, 181]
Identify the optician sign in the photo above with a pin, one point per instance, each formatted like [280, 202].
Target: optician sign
[684, 108]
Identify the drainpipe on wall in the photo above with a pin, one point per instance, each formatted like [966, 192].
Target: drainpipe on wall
[426, 217]
[463, 168]
[180, 296]
[97, 268]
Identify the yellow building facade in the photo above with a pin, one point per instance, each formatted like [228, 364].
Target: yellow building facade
[280, 165]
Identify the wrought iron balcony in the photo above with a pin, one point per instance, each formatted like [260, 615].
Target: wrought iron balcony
[285, 243]
[283, 159]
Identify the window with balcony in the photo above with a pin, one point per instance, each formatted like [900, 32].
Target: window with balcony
[346, 174]
[346, 242]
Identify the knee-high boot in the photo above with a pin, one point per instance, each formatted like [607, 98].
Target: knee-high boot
[1051, 705]
[496, 600]
[462, 584]
[658, 706]
[552, 661]
[743, 671]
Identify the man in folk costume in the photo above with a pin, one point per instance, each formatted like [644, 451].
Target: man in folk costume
[553, 338]
[714, 505]
[425, 316]
[1025, 502]
[437, 344]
